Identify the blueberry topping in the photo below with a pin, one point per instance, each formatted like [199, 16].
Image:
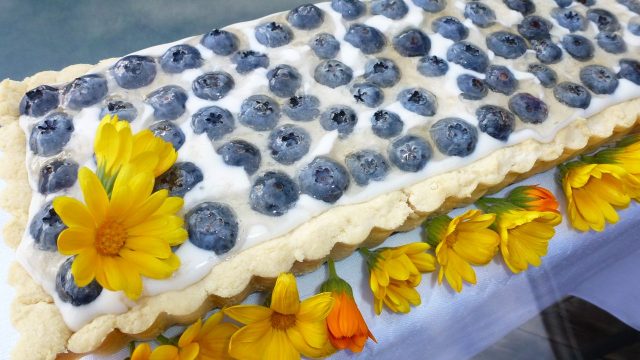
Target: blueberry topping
[432, 66]
[169, 132]
[366, 38]
[599, 79]
[506, 44]
[212, 85]
[382, 72]
[386, 124]
[134, 71]
[480, 14]
[241, 153]
[273, 34]
[419, 101]
[410, 153]
[56, 175]
[179, 58]
[214, 120]
[496, 121]
[325, 46]
[349, 9]
[179, 179]
[611, 42]
[368, 94]
[632, 5]
[471, 87]
[563, 3]
[468, 56]
[39, 101]
[51, 134]
[449, 27]
[168, 102]
[587, 2]
[289, 143]
[305, 17]
[529, 108]
[634, 25]
[260, 112]
[249, 60]
[45, 227]
[546, 75]
[454, 136]
[572, 95]
[534, 27]
[630, 70]
[324, 179]
[412, 42]
[85, 91]
[432, 6]
[569, 19]
[604, 19]
[273, 193]
[546, 51]
[212, 226]
[124, 110]
[221, 42]
[525, 7]
[367, 165]
[578, 46]
[69, 292]
[393, 9]
[341, 118]
[332, 73]
[284, 80]
[500, 79]
[302, 108]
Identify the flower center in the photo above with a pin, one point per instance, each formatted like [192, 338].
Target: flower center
[110, 238]
[282, 321]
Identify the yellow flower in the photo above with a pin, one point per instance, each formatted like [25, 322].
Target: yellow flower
[625, 154]
[212, 338]
[164, 352]
[284, 330]
[533, 197]
[461, 241]
[116, 240]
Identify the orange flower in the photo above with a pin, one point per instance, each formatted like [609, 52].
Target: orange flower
[533, 198]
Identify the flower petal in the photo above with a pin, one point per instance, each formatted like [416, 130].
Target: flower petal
[73, 213]
[149, 245]
[248, 314]
[164, 352]
[285, 298]
[94, 194]
[74, 240]
[83, 267]
[316, 307]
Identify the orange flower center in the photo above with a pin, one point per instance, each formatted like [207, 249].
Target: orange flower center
[110, 238]
[282, 321]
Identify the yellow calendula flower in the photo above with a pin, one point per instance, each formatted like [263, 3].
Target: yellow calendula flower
[533, 197]
[117, 240]
[461, 242]
[286, 329]
[626, 154]
[212, 337]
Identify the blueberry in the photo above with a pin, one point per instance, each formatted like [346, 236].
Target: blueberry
[572, 95]
[611, 42]
[546, 51]
[500, 79]
[410, 153]
[367, 165]
[454, 136]
[349, 9]
[305, 17]
[546, 75]
[85, 91]
[569, 19]
[221, 42]
[39, 101]
[134, 71]
[393, 9]
[506, 44]
[124, 110]
[69, 292]
[324, 179]
[419, 101]
[179, 179]
[212, 226]
[168, 102]
[432, 66]
[56, 175]
[341, 118]
[241, 153]
[525, 7]
[386, 124]
[382, 72]
[471, 87]
[529, 108]
[45, 227]
[212, 85]
[599, 79]
[259, 112]
[534, 27]
[634, 25]
[289, 143]
[368, 94]
[179, 58]
[412, 42]
[333, 73]
[578, 46]
[325, 46]
[468, 56]
[273, 193]
[432, 6]
[480, 14]
[449, 27]
[563, 3]
[169, 132]
[51, 134]
[604, 19]
[496, 121]
[632, 5]
[630, 70]
[249, 60]
[587, 2]
[273, 34]
[284, 80]
[302, 108]
[366, 38]
[214, 120]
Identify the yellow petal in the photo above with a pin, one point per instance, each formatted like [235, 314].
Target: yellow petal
[147, 208]
[164, 352]
[142, 352]
[190, 334]
[151, 266]
[279, 347]
[83, 269]
[314, 333]
[149, 245]
[250, 341]
[285, 298]
[94, 194]
[301, 344]
[190, 352]
[72, 241]
[73, 213]
[316, 307]
[248, 314]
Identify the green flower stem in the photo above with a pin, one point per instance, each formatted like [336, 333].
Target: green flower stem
[494, 205]
[370, 256]
[436, 229]
[163, 340]
[332, 269]
[132, 347]
[334, 283]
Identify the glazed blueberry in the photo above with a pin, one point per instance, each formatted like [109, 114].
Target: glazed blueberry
[85, 91]
[546, 51]
[449, 27]
[212, 85]
[169, 132]
[289, 143]
[168, 102]
[632, 5]
[134, 71]
[212, 226]
[563, 3]
[410, 153]
[578, 46]
[366, 38]
[432, 66]
[45, 227]
[480, 14]
[382, 72]
[56, 175]
[179, 179]
[179, 58]
[500, 79]
[634, 25]
[506, 44]
[412, 42]
[534, 27]
[432, 6]
[367, 165]
[273, 34]
[546, 75]
[569, 19]
[468, 56]
[302, 108]
[305, 17]
[454, 136]
[471, 87]
[260, 112]
[368, 94]
[273, 193]
[393, 9]
[341, 118]
[529, 108]
[124, 110]
[419, 101]
[39, 101]
[249, 60]
[630, 70]
[611, 42]
[386, 124]
[495, 121]
[50, 134]
[69, 292]
[241, 153]
[221, 42]
[599, 79]
[349, 9]
[324, 179]
[525, 7]
[214, 120]
[325, 46]
[333, 73]
[572, 95]
[284, 80]
[604, 19]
